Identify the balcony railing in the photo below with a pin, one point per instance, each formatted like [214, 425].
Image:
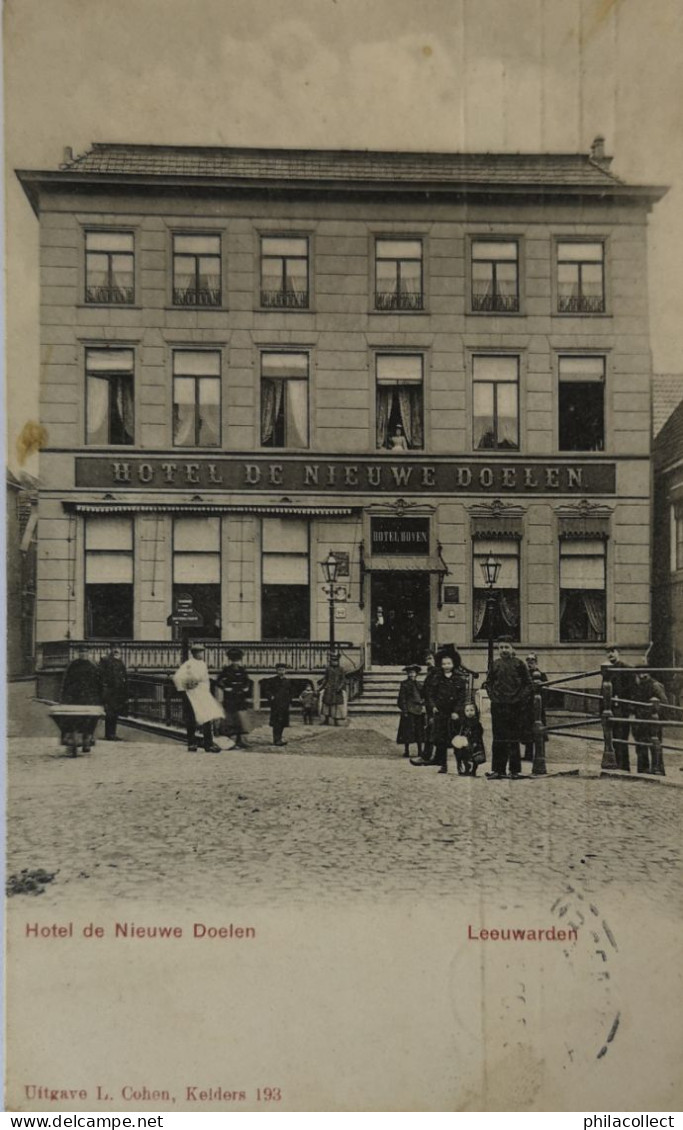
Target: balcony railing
[496, 303]
[164, 656]
[288, 299]
[196, 296]
[119, 295]
[581, 304]
[399, 300]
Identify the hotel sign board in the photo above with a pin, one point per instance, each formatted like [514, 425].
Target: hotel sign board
[355, 476]
[397, 536]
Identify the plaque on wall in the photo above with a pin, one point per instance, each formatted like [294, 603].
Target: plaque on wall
[400, 535]
[451, 594]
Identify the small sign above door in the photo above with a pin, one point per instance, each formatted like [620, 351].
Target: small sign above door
[394, 535]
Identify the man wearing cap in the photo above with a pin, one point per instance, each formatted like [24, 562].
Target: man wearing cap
[191, 674]
[509, 686]
[537, 677]
[114, 681]
[236, 686]
[278, 691]
[623, 687]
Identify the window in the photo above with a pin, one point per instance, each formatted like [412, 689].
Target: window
[398, 274]
[196, 270]
[284, 399]
[582, 590]
[197, 570]
[284, 272]
[495, 399]
[505, 610]
[109, 267]
[399, 402]
[109, 578]
[109, 396]
[581, 403]
[495, 286]
[196, 398]
[580, 278]
[285, 599]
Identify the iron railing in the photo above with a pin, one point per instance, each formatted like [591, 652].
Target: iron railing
[496, 303]
[581, 304]
[296, 299]
[167, 655]
[399, 300]
[196, 296]
[110, 294]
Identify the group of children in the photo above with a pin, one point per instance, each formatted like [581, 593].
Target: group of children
[433, 730]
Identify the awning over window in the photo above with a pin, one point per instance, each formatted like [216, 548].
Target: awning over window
[389, 564]
[584, 523]
[209, 508]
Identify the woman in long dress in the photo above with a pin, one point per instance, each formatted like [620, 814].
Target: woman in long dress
[334, 698]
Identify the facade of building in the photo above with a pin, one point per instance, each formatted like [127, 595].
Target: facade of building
[253, 358]
[667, 556]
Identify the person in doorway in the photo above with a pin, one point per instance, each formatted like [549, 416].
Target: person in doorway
[114, 683]
[647, 734]
[193, 674]
[509, 685]
[623, 687]
[411, 726]
[447, 695]
[537, 677]
[236, 687]
[334, 695]
[81, 686]
[278, 691]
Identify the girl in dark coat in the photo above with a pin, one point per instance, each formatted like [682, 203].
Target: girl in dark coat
[471, 752]
[447, 696]
[433, 672]
[411, 727]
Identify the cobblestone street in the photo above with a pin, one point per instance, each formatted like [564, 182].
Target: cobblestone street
[336, 815]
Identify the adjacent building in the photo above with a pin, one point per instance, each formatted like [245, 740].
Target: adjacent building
[251, 358]
[667, 557]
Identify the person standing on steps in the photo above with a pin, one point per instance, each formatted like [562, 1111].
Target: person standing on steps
[192, 678]
[114, 683]
[509, 685]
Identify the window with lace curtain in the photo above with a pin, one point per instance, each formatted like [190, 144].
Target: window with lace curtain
[495, 279]
[400, 401]
[504, 610]
[196, 398]
[284, 399]
[582, 590]
[196, 270]
[581, 278]
[398, 274]
[109, 410]
[108, 578]
[495, 402]
[109, 267]
[284, 272]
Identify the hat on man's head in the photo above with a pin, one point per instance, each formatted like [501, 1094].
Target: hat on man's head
[235, 654]
[196, 647]
[412, 667]
[504, 639]
[280, 666]
[612, 647]
[532, 655]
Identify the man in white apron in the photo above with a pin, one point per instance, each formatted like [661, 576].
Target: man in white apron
[199, 705]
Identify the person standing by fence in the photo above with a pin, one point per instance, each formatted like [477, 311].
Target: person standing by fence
[647, 734]
[509, 687]
[623, 687]
[538, 677]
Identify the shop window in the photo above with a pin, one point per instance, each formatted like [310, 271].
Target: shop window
[495, 276]
[196, 398]
[581, 278]
[196, 270]
[197, 570]
[284, 272]
[109, 267]
[582, 591]
[109, 396]
[400, 402]
[285, 583]
[398, 274]
[284, 399]
[581, 403]
[109, 578]
[495, 398]
[505, 610]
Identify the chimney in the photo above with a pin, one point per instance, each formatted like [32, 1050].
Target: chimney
[68, 157]
[597, 154]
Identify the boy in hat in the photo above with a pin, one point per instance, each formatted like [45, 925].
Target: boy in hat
[278, 691]
[191, 674]
[411, 726]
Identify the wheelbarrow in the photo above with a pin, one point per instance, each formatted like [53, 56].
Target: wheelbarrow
[76, 725]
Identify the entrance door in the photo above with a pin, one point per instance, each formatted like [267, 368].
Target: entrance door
[399, 631]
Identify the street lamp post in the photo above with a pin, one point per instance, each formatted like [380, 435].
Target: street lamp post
[330, 567]
[491, 569]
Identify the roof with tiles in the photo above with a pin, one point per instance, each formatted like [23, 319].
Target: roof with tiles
[668, 446]
[349, 165]
[667, 394]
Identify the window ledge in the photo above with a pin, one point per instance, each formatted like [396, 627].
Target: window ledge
[108, 306]
[197, 309]
[495, 314]
[283, 310]
[579, 314]
[399, 313]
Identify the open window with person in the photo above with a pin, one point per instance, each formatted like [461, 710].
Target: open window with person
[109, 267]
[400, 401]
[495, 276]
[582, 590]
[495, 401]
[581, 403]
[398, 274]
[109, 578]
[196, 398]
[284, 272]
[196, 270]
[580, 278]
[197, 570]
[505, 605]
[285, 579]
[109, 396]
[284, 400]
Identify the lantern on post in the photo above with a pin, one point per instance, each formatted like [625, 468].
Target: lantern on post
[491, 569]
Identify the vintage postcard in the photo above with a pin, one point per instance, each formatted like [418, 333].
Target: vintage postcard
[345, 555]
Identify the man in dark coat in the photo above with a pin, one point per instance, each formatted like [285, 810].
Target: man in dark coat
[278, 691]
[114, 682]
[648, 735]
[509, 686]
[623, 687]
[81, 687]
[537, 677]
[236, 686]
